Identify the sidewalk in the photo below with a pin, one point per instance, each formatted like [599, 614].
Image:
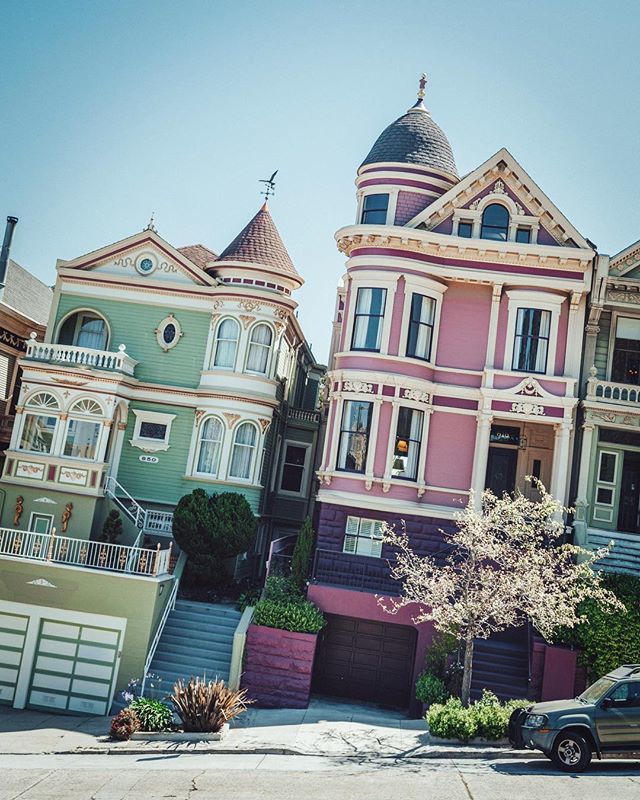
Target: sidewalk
[326, 728]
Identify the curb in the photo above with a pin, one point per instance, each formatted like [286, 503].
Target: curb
[439, 753]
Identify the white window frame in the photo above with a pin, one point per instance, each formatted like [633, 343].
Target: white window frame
[170, 320]
[350, 531]
[40, 515]
[258, 448]
[80, 312]
[609, 485]
[270, 357]
[198, 446]
[305, 468]
[363, 281]
[427, 288]
[214, 349]
[541, 301]
[158, 418]
[613, 330]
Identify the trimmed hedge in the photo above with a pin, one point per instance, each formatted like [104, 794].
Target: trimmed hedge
[487, 718]
[609, 640]
[299, 616]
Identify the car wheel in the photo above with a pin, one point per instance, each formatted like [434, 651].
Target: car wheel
[571, 752]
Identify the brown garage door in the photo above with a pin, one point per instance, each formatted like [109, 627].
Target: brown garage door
[365, 660]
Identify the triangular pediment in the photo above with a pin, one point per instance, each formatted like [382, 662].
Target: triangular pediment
[502, 179]
[142, 258]
[626, 263]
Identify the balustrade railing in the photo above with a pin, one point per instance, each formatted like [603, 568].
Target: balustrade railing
[81, 356]
[612, 392]
[82, 553]
[160, 522]
[303, 415]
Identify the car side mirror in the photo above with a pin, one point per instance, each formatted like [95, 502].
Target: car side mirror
[606, 704]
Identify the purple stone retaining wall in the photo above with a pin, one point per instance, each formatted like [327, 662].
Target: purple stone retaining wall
[278, 666]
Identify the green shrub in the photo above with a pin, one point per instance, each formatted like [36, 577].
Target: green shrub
[451, 720]
[112, 527]
[487, 718]
[609, 640]
[301, 561]
[430, 689]
[299, 616]
[153, 714]
[282, 590]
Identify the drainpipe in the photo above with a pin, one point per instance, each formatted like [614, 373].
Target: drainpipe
[4, 254]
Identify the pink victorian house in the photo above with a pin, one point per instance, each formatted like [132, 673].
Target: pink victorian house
[454, 367]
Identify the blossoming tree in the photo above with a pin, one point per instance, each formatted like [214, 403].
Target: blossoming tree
[505, 564]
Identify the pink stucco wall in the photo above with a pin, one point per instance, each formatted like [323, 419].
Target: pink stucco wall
[561, 347]
[464, 326]
[384, 432]
[501, 334]
[450, 451]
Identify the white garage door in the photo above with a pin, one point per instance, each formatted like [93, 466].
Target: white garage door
[74, 667]
[13, 630]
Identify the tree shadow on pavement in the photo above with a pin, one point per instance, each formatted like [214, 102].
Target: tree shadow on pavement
[610, 768]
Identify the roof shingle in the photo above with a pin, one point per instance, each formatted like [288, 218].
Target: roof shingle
[198, 254]
[27, 294]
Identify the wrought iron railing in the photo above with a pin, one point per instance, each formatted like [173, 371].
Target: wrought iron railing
[81, 356]
[82, 553]
[147, 520]
[362, 573]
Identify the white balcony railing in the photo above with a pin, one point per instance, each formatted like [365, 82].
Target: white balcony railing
[303, 415]
[81, 356]
[617, 393]
[81, 553]
[147, 520]
[160, 522]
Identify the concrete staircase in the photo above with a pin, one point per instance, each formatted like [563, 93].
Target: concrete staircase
[197, 640]
[501, 664]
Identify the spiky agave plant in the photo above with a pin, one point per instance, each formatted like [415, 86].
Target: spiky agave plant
[205, 706]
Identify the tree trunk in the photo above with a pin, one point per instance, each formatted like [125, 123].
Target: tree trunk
[466, 675]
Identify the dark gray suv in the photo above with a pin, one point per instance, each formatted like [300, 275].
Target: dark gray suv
[605, 718]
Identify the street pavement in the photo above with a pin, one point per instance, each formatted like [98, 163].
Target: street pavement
[249, 777]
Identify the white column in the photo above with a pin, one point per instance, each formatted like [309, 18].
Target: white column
[493, 326]
[561, 462]
[573, 351]
[480, 456]
[585, 460]
[395, 410]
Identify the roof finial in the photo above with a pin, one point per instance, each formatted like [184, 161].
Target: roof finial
[152, 223]
[422, 83]
[269, 188]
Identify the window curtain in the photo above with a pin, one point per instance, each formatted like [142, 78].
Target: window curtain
[92, 333]
[227, 344]
[210, 447]
[421, 330]
[243, 450]
[532, 338]
[259, 346]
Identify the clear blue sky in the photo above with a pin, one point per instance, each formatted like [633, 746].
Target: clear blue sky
[111, 110]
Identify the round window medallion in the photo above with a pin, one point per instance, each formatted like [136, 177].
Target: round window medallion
[145, 263]
[168, 332]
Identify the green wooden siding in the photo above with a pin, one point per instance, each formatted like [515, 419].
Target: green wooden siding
[134, 325]
[165, 482]
[602, 345]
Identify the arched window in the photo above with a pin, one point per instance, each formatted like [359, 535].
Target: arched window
[39, 423]
[210, 446]
[259, 348]
[83, 432]
[242, 454]
[495, 223]
[226, 345]
[84, 329]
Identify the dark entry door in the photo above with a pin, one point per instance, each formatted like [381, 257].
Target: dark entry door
[629, 494]
[365, 660]
[501, 470]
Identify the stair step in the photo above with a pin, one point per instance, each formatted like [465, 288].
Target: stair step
[211, 642]
[188, 656]
[208, 608]
[189, 667]
[206, 619]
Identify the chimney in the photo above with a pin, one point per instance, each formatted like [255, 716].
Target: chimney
[6, 246]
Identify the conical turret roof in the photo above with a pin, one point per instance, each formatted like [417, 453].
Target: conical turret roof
[259, 243]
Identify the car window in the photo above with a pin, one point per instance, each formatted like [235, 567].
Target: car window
[626, 695]
[597, 690]
[621, 693]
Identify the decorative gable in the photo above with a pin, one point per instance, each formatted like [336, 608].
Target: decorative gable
[501, 180]
[626, 263]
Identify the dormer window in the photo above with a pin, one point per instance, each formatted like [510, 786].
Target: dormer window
[465, 229]
[495, 223]
[374, 209]
[523, 235]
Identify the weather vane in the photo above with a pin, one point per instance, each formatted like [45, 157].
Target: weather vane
[422, 84]
[152, 223]
[269, 186]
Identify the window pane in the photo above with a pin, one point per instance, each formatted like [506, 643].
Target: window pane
[495, 223]
[354, 436]
[152, 430]
[421, 327]
[82, 439]
[604, 496]
[369, 314]
[226, 344]
[407, 445]
[210, 447]
[531, 340]
[607, 467]
[242, 453]
[293, 469]
[374, 209]
[37, 433]
[91, 332]
[523, 235]
[259, 348]
[465, 229]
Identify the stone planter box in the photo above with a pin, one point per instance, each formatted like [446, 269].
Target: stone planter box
[179, 736]
[278, 666]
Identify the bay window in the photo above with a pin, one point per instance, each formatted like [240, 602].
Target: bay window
[37, 433]
[226, 344]
[368, 319]
[421, 327]
[259, 349]
[210, 447]
[531, 342]
[406, 451]
[243, 452]
[354, 436]
[82, 439]
[625, 366]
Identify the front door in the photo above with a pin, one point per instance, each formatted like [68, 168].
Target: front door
[619, 725]
[41, 523]
[629, 494]
[501, 470]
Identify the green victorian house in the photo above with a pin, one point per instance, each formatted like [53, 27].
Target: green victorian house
[163, 369]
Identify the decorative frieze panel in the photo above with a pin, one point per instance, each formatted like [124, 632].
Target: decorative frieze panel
[531, 409]
[600, 415]
[357, 386]
[416, 395]
[30, 470]
[623, 296]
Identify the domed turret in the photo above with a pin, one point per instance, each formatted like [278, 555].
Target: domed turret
[411, 163]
